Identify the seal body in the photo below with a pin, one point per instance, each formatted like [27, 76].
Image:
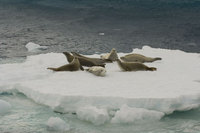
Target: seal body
[96, 60]
[85, 61]
[138, 58]
[112, 56]
[97, 70]
[134, 66]
[72, 66]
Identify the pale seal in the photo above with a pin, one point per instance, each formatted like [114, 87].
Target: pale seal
[112, 56]
[138, 58]
[97, 70]
[134, 66]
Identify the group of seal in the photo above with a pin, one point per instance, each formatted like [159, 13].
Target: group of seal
[130, 62]
[76, 61]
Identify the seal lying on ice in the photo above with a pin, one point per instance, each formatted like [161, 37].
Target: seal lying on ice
[72, 66]
[97, 70]
[85, 61]
[134, 66]
[138, 58]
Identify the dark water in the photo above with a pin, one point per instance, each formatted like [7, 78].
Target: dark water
[75, 25]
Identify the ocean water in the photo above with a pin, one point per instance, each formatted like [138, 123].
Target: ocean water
[28, 116]
[78, 25]
[95, 27]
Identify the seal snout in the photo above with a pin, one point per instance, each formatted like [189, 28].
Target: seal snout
[152, 69]
[66, 53]
[158, 58]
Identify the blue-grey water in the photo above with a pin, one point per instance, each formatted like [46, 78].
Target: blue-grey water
[27, 116]
[76, 25]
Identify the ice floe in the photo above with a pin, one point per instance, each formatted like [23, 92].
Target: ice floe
[33, 47]
[172, 87]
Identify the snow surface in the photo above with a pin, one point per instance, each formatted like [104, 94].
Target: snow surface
[32, 47]
[57, 124]
[93, 114]
[129, 115]
[4, 106]
[174, 86]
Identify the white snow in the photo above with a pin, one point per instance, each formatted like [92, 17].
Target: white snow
[4, 106]
[93, 114]
[101, 34]
[128, 115]
[33, 47]
[174, 86]
[57, 124]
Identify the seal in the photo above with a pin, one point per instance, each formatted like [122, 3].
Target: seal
[96, 60]
[97, 70]
[112, 56]
[72, 66]
[134, 66]
[85, 61]
[138, 58]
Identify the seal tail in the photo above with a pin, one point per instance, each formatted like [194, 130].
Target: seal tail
[54, 69]
[158, 58]
[151, 69]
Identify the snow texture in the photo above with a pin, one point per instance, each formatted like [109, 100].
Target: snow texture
[4, 107]
[128, 115]
[93, 114]
[57, 124]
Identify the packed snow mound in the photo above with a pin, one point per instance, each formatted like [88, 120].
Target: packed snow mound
[174, 86]
[32, 47]
[93, 114]
[4, 107]
[129, 115]
[57, 124]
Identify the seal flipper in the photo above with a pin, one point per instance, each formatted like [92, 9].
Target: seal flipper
[151, 69]
[81, 68]
[158, 58]
[54, 69]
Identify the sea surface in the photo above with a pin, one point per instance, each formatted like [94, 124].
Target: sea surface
[89, 27]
